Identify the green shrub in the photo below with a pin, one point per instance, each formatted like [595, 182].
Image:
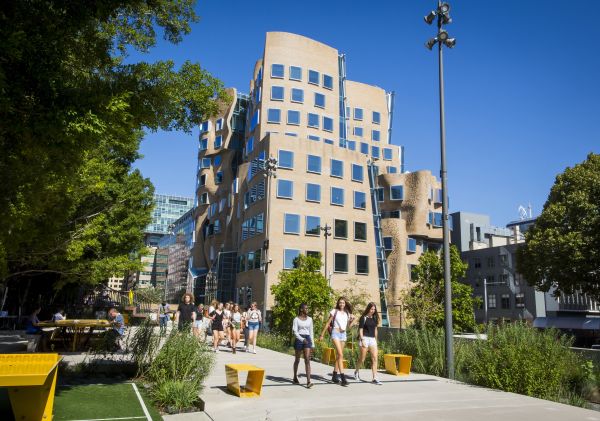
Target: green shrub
[174, 395]
[275, 342]
[143, 345]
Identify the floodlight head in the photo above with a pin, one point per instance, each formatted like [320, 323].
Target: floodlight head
[430, 18]
[446, 19]
[429, 44]
[443, 36]
[444, 8]
[450, 42]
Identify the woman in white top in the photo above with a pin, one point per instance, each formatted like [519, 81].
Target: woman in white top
[254, 319]
[226, 319]
[235, 324]
[304, 333]
[340, 319]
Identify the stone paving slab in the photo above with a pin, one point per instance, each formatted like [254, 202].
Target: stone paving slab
[415, 397]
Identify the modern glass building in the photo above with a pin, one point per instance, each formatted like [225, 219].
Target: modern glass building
[167, 210]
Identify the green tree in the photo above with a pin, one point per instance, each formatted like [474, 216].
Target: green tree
[424, 302]
[303, 284]
[73, 110]
[562, 248]
[358, 296]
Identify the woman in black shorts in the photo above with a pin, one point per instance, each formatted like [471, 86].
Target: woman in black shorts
[304, 333]
[217, 325]
[367, 336]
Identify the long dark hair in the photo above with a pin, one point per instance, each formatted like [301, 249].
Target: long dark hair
[368, 309]
[300, 309]
[347, 307]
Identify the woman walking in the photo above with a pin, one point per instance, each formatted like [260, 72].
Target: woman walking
[340, 319]
[226, 323]
[198, 326]
[304, 333]
[217, 325]
[367, 340]
[186, 312]
[245, 328]
[235, 324]
[254, 319]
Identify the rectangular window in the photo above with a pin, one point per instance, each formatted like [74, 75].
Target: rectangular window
[360, 200]
[360, 231]
[313, 164]
[257, 258]
[340, 229]
[392, 170]
[375, 135]
[293, 117]
[351, 145]
[477, 262]
[313, 120]
[376, 117]
[364, 148]
[204, 126]
[411, 246]
[250, 145]
[277, 93]
[357, 173]
[205, 163]
[219, 177]
[397, 192]
[297, 95]
[313, 77]
[312, 225]
[387, 154]
[291, 224]
[340, 262]
[337, 196]
[337, 168]
[520, 300]
[491, 261]
[388, 243]
[289, 258]
[292, 134]
[273, 115]
[285, 189]
[328, 141]
[313, 253]
[327, 82]
[203, 180]
[358, 113]
[491, 300]
[203, 144]
[358, 131]
[505, 301]
[277, 71]
[379, 191]
[319, 100]
[328, 124]
[313, 192]
[375, 151]
[286, 159]
[250, 260]
[395, 214]
[362, 265]
[295, 73]
[218, 142]
[504, 259]
[314, 138]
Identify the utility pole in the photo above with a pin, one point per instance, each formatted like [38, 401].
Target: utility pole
[327, 233]
[270, 167]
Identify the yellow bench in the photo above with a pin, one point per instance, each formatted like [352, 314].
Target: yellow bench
[31, 382]
[328, 357]
[397, 364]
[253, 387]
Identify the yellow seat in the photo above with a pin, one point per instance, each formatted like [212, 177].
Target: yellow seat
[397, 364]
[253, 386]
[328, 357]
[31, 382]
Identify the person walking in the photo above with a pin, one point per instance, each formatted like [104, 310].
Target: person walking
[186, 313]
[367, 340]
[254, 319]
[198, 328]
[245, 328]
[235, 326]
[164, 314]
[340, 319]
[217, 325]
[303, 330]
[226, 319]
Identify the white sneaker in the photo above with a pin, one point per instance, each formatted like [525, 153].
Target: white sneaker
[357, 375]
[254, 351]
[377, 382]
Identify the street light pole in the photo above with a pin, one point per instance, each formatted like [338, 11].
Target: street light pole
[327, 233]
[443, 17]
[270, 172]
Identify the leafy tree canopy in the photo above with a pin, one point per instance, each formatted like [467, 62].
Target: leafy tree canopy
[72, 115]
[562, 249]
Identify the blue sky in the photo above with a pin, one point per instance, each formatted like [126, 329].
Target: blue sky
[522, 88]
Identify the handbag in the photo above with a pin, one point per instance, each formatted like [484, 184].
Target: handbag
[330, 327]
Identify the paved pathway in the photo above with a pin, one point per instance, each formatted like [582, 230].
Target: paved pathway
[416, 397]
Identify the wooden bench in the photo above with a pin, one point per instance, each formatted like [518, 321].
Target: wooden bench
[397, 364]
[31, 383]
[254, 381]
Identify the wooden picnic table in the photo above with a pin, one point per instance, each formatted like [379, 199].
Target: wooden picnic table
[78, 328]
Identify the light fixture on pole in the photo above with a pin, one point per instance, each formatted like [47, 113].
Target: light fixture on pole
[270, 167]
[442, 38]
[327, 233]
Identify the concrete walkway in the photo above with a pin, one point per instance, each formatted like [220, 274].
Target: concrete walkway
[416, 397]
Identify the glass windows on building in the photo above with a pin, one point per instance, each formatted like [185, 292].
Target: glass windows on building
[388, 243]
[520, 300]
[285, 189]
[291, 223]
[277, 71]
[340, 262]
[397, 192]
[411, 245]
[289, 258]
[376, 117]
[273, 115]
[358, 131]
[351, 145]
[218, 141]
[250, 145]
[379, 191]
[358, 114]
[313, 192]
[337, 196]
[364, 148]
[205, 163]
[319, 100]
[328, 124]
[217, 160]
[295, 73]
[329, 141]
[313, 120]
[435, 219]
[327, 82]
[362, 265]
[340, 229]
[387, 154]
[375, 135]
[395, 214]
[277, 93]
[337, 168]
[360, 231]
[314, 138]
[491, 300]
[313, 253]
[255, 120]
[293, 117]
[313, 77]
[219, 124]
[375, 151]
[219, 177]
[313, 164]
[203, 144]
[297, 95]
[285, 159]
[357, 173]
[360, 200]
[204, 126]
[202, 181]
[312, 225]
[392, 170]
[253, 226]
[505, 301]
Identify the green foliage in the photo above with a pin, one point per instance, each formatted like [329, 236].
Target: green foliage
[424, 302]
[149, 295]
[275, 342]
[175, 396]
[304, 284]
[358, 296]
[73, 116]
[144, 345]
[562, 249]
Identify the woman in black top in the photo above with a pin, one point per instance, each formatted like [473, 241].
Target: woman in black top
[186, 312]
[367, 335]
[217, 325]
